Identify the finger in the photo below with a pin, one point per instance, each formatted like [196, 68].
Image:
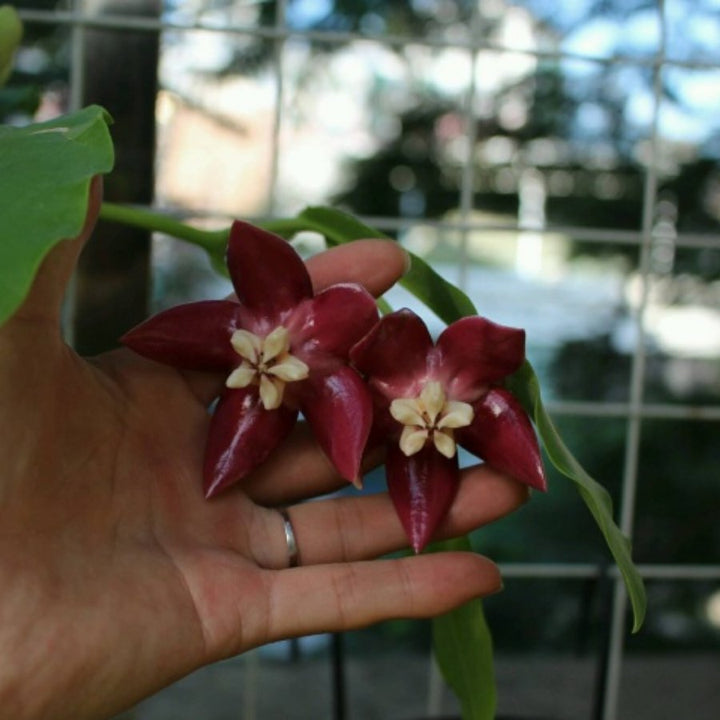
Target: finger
[44, 301]
[375, 264]
[299, 470]
[347, 529]
[340, 597]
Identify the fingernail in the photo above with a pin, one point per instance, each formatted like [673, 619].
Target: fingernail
[408, 262]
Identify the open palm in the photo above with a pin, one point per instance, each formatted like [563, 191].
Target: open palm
[117, 575]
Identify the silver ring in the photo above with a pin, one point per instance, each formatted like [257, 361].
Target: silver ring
[290, 540]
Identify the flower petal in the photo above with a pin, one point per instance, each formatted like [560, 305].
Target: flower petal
[277, 342]
[242, 434]
[445, 443]
[290, 369]
[457, 414]
[502, 435]
[246, 344]
[271, 392]
[412, 439]
[407, 412]
[422, 488]
[433, 398]
[334, 320]
[473, 353]
[269, 277]
[195, 336]
[241, 376]
[338, 407]
[393, 354]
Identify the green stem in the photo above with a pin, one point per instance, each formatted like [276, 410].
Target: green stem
[286, 227]
[213, 241]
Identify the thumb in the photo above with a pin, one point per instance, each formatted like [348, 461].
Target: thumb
[44, 301]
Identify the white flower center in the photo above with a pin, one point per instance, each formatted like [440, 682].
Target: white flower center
[267, 363]
[430, 416]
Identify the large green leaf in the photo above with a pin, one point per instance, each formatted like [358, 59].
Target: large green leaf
[45, 173]
[464, 652]
[525, 385]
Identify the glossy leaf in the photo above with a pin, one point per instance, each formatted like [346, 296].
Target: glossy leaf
[524, 384]
[443, 298]
[45, 173]
[464, 652]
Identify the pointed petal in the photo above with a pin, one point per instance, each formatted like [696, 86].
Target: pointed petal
[445, 443]
[457, 415]
[406, 411]
[422, 488]
[412, 439]
[503, 436]
[394, 353]
[339, 410]
[241, 376]
[195, 336]
[433, 398]
[278, 341]
[271, 392]
[242, 434]
[269, 277]
[290, 369]
[334, 320]
[474, 352]
[246, 344]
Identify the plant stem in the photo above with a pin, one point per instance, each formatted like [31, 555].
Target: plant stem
[213, 241]
[286, 227]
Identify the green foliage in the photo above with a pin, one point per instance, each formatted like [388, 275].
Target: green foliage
[464, 653]
[10, 35]
[45, 173]
[442, 297]
[525, 386]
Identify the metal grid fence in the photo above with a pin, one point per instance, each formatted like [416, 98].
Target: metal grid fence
[637, 409]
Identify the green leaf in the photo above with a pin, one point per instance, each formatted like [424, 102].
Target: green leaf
[447, 301]
[443, 298]
[337, 226]
[524, 384]
[45, 173]
[464, 652]
[11, 31]
[450, 304]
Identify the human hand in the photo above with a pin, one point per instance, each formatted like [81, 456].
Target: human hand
[118, 577]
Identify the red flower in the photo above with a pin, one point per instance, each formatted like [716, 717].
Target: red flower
[283, 350]
[429, 398]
